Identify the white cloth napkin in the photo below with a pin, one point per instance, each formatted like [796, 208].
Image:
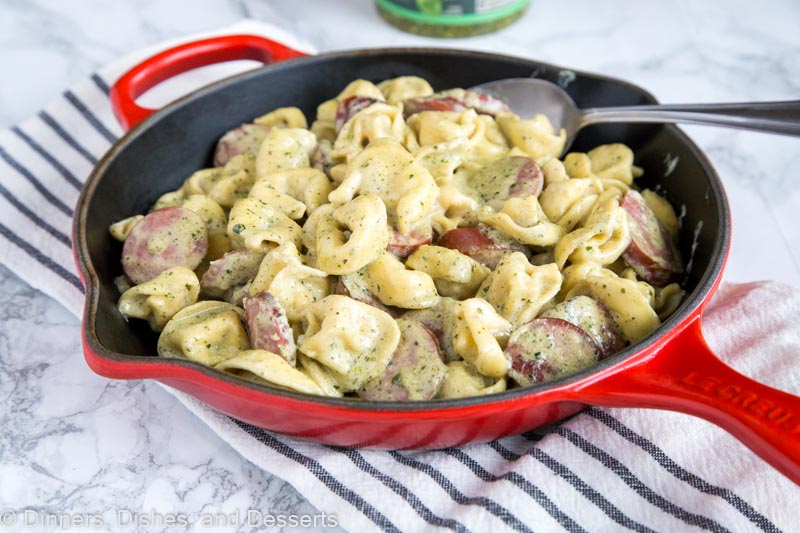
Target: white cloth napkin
[601, 470]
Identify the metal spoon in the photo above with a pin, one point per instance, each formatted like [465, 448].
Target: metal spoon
[529, 96]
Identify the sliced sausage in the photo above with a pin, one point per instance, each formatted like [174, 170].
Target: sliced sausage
[594, 318]
[545, 349]
[231, 270]
[482, 103]
[268, 326]
[456, 100]
[321, 157]
[440, 321]
[349, 107]
[482, 243]
[652, 254]
[163, 239]
[416, 370]
[412, 106]
[404, 244]
[354, 286]
[236, 295]
[505, 178]
[246, 139]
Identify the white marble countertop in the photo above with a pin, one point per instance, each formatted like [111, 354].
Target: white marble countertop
[73, 442]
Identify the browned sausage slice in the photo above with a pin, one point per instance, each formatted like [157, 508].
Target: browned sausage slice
[268, 326]
[439, 319]
[545, 349]
[321, 157]
[415, 371]
[482, 243]
[246, 139]
[349, 107]
[354, 286]
[236, 295]
[231, 270]
[163, 239]
[412, 106]
[404, 244]
[505, 178]
[594, 318]
[456, 100]
[482, 103]
[652, 254]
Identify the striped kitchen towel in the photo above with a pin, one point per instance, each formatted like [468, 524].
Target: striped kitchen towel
[601, 470]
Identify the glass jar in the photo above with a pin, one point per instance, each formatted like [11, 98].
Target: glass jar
[450, 18]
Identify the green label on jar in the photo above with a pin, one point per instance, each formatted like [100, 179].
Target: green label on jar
[452, 12]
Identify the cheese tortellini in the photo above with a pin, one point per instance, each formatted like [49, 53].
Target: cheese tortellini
[259, 227]
[208, 332]
[352, 236]
[223, 185]
[518, 289]
[610, 161]
[388, 170]
[271, 368]
[353, 339]
[456, 275]
[535, 136]
[295, 285]
[480, 336]
[160, 298]
[628, 300]
[405, 232]
[389, 280]
[284, 149]
[396, 90]
[524, 220]
[120, 230]
[602, 239]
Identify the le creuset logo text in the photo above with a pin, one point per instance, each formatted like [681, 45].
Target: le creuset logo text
[751, 401]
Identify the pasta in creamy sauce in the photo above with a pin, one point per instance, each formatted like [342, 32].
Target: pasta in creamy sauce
[408, 245]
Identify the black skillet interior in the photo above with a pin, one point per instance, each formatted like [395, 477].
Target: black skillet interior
[166, 149]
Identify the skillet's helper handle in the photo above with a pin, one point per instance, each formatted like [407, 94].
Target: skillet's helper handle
[770, 117]
[686, 376]
[185, 57]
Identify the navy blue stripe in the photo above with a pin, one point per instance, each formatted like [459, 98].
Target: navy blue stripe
[320, 473]
[90, 118]
[681, 473]
[57, 269]
[69, 139]
[636, 484]
[64, 171]
[459, 497]
[611, 510]
[24, 172]
[101, 84]
[534, 492]
[421, 509]
[53, 232]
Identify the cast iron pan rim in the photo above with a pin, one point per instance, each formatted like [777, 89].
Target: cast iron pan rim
[690, 305]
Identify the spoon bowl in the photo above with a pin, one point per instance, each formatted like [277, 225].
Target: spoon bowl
[530, 96]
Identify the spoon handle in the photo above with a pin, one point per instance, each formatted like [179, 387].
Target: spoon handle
[772, 117]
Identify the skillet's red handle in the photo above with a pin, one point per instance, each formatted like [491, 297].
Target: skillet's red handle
[182, 58]
[685, 375]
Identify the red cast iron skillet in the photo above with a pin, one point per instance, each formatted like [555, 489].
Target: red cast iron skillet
[673, 368]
